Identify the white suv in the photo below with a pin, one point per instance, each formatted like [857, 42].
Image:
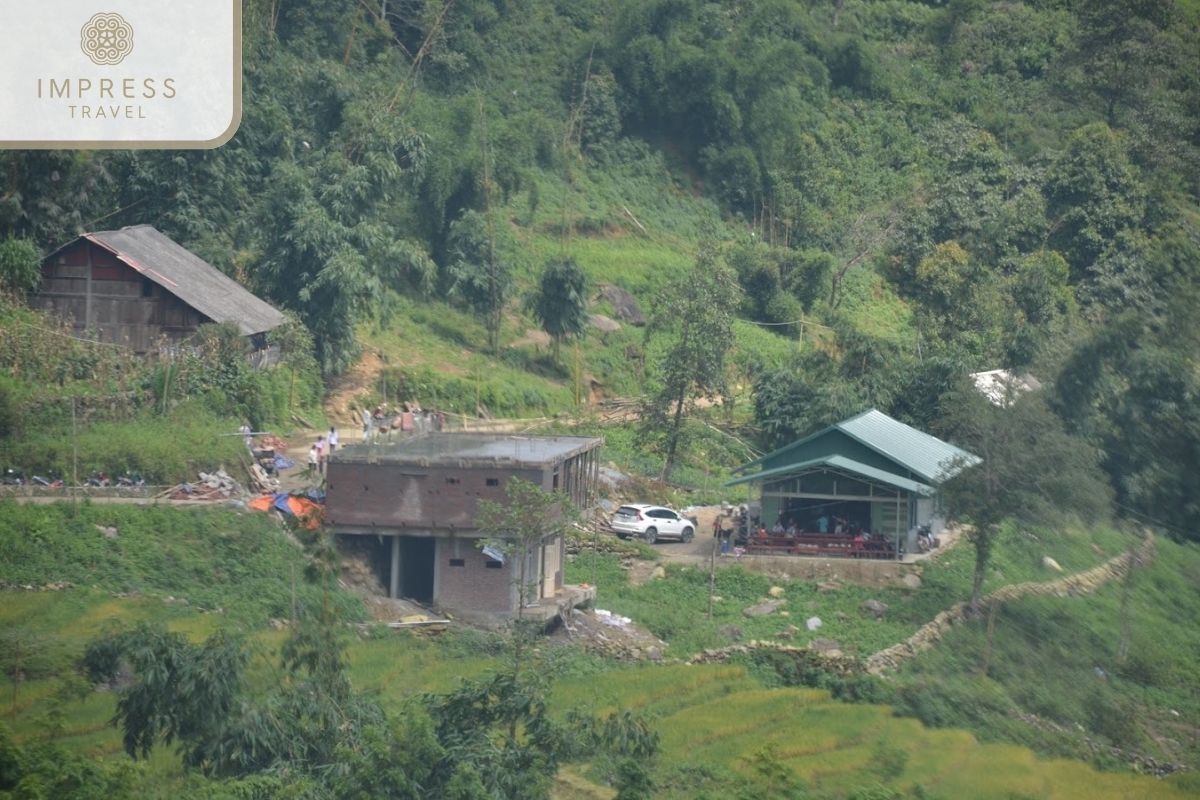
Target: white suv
[652, 523]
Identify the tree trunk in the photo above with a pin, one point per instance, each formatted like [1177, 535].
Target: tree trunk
[519, 631]
[673, 441]
[982, 552]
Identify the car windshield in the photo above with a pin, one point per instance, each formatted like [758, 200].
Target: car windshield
[627, 511]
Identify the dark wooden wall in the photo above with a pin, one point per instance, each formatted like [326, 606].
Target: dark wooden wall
[105, 298]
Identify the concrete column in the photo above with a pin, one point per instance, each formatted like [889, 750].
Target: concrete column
[394, 582]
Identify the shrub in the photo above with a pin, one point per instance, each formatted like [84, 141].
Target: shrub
[19, 265]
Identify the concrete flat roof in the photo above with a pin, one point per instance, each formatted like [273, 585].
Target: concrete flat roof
[467, 449]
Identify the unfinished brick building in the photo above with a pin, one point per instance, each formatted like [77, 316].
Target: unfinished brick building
[417, 496]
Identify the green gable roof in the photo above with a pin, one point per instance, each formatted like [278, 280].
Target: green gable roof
[845, 465]
[925, 456]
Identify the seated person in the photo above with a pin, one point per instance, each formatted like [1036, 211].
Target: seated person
[777, 528]
[791, 528]
[761, 534]
[823, 524]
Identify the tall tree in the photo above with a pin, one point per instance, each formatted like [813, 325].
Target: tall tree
[699, 311]
[479, 276]
[1031, 472]
[560, 302]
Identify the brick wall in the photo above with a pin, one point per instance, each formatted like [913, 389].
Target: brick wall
[473, 586]
[409, 496]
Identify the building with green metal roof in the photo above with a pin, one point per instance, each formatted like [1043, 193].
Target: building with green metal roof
[872, 471]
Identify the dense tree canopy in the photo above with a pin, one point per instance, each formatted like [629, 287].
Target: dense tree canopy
[1017, 175]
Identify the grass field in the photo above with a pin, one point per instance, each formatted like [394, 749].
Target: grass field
[726, 730]
[1061, 660]
[675, 609]
[724, 735]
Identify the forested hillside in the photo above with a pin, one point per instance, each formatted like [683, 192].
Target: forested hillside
[934, 188]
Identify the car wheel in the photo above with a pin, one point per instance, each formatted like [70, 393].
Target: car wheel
[622, 536]
[651, 535]
[687, 535]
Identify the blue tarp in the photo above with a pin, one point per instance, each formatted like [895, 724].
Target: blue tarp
[281, 503]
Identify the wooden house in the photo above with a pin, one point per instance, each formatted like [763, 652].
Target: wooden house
[417, 497]
[138, 288]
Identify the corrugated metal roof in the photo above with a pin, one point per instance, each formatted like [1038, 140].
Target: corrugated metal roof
[189, 277]
[927, 456]
[845, 465]
[924, 455]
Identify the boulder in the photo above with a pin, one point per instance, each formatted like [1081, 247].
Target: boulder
[911, 581]
[873, 608]
[788, 633]
[658, 573]
[827, 646]
[775, 591]
[1050, 563]
[624, 304]
[109, 532]
[812, 623]
[611, 477]
[762, 609]
[731, 632]
[604, 324]
[828, 586]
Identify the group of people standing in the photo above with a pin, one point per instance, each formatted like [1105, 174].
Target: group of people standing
[840, 526]
[409, 419]
[320, 451]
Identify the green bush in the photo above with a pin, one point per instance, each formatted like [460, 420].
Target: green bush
[20, 264]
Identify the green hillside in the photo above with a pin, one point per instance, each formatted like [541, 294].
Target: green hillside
[743, 729]
[819, 208]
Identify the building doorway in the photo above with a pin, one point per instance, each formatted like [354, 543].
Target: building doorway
[416, 568]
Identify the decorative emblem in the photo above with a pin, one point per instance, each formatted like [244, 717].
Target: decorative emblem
[106, 38]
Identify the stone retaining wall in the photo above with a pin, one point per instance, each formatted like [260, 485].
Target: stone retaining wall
[1080, 583]
[859, 571]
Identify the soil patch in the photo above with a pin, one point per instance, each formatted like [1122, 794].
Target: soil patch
[351, 385]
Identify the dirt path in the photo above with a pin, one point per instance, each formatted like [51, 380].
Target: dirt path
[356, 381]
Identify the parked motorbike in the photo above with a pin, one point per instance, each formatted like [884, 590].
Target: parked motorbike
[131, 480]
[926, 541]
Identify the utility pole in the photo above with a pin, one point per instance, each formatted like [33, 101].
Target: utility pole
[712, 571]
